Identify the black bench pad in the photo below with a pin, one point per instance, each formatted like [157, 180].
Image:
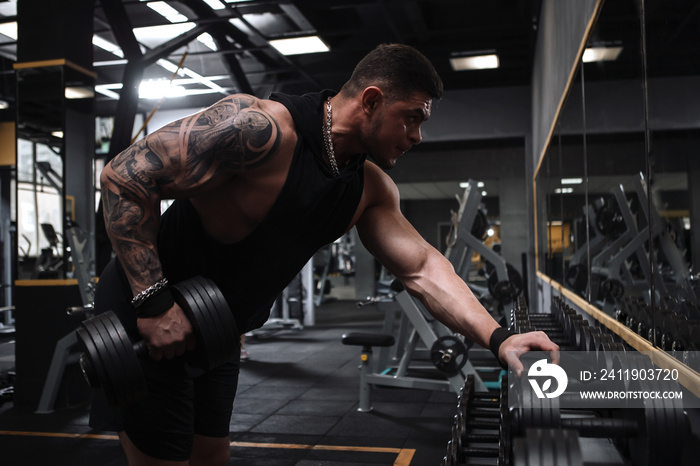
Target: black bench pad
[368, 339]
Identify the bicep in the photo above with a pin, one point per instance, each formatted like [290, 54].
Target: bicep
[391, 238]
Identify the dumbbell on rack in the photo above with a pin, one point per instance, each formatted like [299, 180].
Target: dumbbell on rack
[111, 360]
[481, 428]
[649, 431]
[525, 430]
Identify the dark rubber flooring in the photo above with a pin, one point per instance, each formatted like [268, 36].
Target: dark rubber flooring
[296, 405]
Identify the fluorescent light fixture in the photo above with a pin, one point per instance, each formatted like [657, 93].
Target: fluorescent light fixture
[564, 190]
[106, 90]
[79, 92]
[110, 63]
[166, 11]
[9, 29]
[57, 134]
[592, 54]
[159, 88]
[475, 62]
[108, 46]
[215, 4]
[299, 45]
[236, 1]
[571, 180]
[464, 184]
[208, 40]
[555, 223]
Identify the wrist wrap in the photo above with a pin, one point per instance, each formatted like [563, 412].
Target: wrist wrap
[156, 304]
[497, 338]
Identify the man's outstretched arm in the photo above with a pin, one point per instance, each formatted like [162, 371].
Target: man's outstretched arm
[428, 275]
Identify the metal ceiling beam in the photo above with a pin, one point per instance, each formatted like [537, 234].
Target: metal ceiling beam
[218, 32]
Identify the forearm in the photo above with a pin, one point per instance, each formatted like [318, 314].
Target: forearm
[448, 298]
[131, 217]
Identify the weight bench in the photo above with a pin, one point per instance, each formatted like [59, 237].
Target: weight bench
[367, 341]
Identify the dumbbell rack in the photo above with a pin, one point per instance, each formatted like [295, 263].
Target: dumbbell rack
[675, 327]
[491, 429]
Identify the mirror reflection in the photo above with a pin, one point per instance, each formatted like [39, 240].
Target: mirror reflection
[620, 169]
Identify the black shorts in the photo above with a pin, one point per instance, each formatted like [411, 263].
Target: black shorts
[182, 400]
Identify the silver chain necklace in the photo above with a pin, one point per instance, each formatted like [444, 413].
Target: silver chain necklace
[327, 140]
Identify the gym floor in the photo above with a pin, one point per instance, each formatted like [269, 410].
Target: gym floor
[296, 405]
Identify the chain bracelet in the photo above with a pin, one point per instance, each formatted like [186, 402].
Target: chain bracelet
[140, 298]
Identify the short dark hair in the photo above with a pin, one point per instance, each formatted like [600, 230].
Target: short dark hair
[399, 70]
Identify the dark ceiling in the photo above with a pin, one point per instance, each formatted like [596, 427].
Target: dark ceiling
[245, 61]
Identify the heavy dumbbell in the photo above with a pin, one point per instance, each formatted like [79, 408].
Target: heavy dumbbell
[110, 360]
[649, 430]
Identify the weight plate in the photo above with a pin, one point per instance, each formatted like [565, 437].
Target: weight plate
[212, 329]
[93, 370]
[227, 327]
[548, 447]
[124, 381]
[448, 354]
[103, 358]
[584, 337]
[208, 345]
[134, 380]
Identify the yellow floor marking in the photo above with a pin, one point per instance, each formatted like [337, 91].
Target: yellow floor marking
[404, 455]
[58, 434]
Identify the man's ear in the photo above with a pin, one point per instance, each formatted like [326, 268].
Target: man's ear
[372, 98]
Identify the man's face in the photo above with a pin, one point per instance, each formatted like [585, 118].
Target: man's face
[396, 127]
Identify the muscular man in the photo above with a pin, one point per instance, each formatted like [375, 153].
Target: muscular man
[260, 182]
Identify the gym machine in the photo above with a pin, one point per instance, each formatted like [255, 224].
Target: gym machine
[620, 257]
[65, 351]
[445, 352]
[513, 426]
[294, 300]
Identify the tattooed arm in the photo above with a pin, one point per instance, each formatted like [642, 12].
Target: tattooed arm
[183, 159]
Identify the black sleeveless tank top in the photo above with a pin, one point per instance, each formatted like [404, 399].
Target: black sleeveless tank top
[313, 209]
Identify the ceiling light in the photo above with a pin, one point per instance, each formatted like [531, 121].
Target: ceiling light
[9, 29]
[79, 92]
[592, 54]
[483, 193]
[105, 90]
[299, 45]
[564, 190]
[464, 184]
[57, 134]
[108, 46]
[208, 40]
[166, 11]
[571, 180]
[475, 62]
[4, 104]
[159, 88]
[215, 4]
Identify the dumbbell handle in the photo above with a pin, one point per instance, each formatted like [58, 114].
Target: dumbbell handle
[595, 427]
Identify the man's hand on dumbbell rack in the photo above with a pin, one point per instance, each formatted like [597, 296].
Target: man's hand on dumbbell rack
[167, 335]
[516, 345]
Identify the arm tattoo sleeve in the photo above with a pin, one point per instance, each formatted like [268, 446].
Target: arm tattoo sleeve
[231, 136]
